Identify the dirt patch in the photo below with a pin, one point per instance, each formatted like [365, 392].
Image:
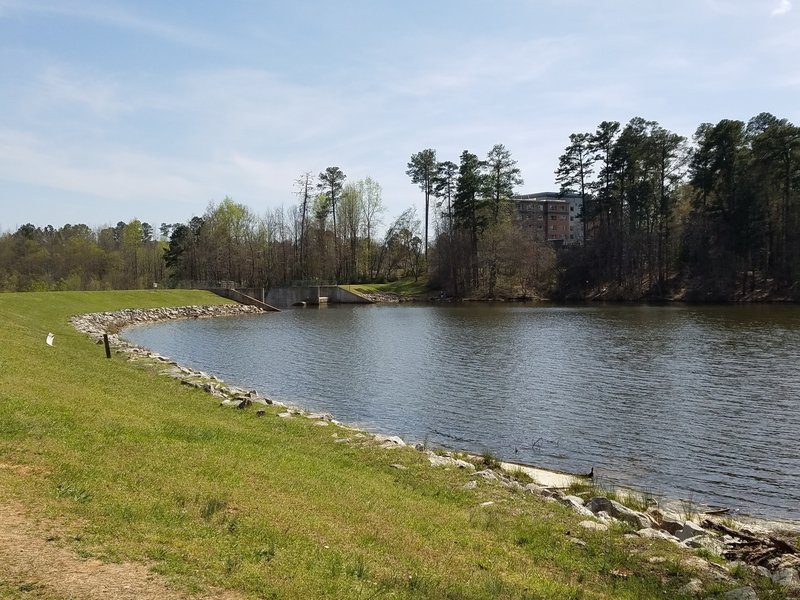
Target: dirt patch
[33, 567]
[21, 469]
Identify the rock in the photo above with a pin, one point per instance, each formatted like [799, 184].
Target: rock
[341, 440]
[534, 488]
[655, 534]
[618, 511]
[689, 530]
[489, 503]
[705, 568]
[321, 423]
[604, 517]
[745, 593]
[486, 474]
[656, 560]
[399, 467]
[470, 485]
[573, 500]
[578, 542]
[512, 485]
[552, 494]
[437, 460]
[286, 415]
[594, 525]
[787, 578]
[389, 440]
[707, 542]
[327, 417]
[577, 505]
[419, 447]
[260, 413]
[761, 571]
[671, 526]
[693, 588]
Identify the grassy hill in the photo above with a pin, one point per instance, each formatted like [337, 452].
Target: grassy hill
[133, 466]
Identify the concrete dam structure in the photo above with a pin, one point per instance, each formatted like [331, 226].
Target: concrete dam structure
[313, 294]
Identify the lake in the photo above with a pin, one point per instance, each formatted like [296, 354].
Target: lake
[693, 402]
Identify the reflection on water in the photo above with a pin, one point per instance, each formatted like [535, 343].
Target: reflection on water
[697, 402]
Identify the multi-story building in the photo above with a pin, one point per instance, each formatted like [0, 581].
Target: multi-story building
[551, 216]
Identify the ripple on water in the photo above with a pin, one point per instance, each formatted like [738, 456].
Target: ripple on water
[697, 402]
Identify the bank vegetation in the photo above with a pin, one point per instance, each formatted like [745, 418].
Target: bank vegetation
[714, 218]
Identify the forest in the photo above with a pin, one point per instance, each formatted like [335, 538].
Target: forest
[714, 218]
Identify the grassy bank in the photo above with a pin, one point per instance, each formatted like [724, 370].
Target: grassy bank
[133, 466]
[401, 287]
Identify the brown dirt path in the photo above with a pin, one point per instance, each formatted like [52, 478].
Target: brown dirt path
[33, 567]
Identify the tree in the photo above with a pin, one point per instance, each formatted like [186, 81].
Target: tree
[444, 188]
[468, 206]
[303, 185]
[422, 170]
[776, 170]
[350, 217]
[500, 178]
[402, 246]
[331, 181]
[575, 170]
[372, 202]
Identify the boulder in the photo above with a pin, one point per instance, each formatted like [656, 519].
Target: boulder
[470, 485]
[654, 534]
[448, 461]
[787, 578]
[671, 526]
[387, 440]
[577, 505]
[593, 525]
[707, 542]
[693, 588]
[486, 474]
[689, 530]
[745, 593]
[440, 461]
[618, 511]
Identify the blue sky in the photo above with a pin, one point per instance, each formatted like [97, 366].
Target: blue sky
[111, 110]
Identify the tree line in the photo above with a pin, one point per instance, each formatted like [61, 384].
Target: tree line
[335, 233]
[711, 218]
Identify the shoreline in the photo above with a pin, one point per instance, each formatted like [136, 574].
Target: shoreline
[114, 323]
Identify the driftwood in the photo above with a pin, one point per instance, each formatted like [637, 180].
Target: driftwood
[764, 551]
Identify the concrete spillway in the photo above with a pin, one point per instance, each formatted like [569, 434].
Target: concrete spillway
[313, 294]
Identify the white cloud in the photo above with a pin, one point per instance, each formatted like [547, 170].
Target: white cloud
[109, 14]
[784, 7]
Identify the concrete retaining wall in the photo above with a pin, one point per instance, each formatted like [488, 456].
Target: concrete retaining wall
[242, 297]
[289, 296]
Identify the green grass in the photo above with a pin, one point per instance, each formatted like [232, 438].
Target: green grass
[403, 287]
[140, 468]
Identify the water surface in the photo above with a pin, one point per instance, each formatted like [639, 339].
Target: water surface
[693, 402]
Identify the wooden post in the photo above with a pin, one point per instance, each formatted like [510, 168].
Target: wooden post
[105, 343]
